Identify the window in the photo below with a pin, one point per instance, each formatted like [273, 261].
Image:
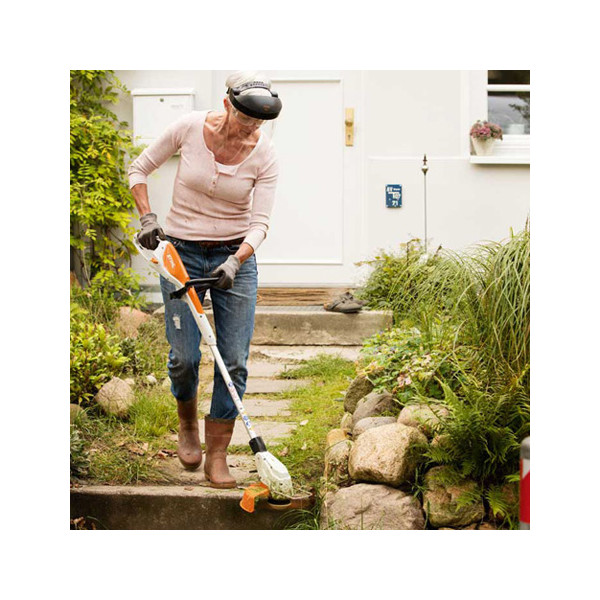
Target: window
[508, 101]
[505, 96]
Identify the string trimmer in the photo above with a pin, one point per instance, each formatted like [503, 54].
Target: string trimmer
[277, 484]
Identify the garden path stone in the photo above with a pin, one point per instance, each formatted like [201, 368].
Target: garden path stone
[272, 432]
[259, 407]
[296, 354]
[263, 368]
[262, 385]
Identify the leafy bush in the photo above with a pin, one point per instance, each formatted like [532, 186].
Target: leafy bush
[101, 203]
[406, 363]
[95, 356]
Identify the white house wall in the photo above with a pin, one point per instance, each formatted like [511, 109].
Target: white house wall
[403, 115]
[410, 113]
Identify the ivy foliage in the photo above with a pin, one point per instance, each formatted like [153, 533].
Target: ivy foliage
[101, 203]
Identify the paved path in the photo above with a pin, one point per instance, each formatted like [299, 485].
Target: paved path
[270, 418]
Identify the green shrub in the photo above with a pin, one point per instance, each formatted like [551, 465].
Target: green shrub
[95, 356]
[407, 363]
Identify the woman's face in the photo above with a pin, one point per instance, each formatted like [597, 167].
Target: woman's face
[245, 124]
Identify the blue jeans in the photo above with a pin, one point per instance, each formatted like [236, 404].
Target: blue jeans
[234, 323]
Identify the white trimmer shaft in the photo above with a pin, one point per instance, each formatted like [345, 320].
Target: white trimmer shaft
[166, 261]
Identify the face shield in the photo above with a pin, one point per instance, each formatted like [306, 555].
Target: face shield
[245, 120]
[257, 108]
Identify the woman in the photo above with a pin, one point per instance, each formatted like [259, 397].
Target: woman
[222, 199]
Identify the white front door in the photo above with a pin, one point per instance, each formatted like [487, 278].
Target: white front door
[315, 231]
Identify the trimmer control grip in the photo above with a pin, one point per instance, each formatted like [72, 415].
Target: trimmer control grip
[201, 284]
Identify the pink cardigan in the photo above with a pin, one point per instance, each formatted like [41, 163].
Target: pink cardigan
[212, 201]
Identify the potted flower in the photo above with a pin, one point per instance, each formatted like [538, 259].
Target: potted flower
[483, 134]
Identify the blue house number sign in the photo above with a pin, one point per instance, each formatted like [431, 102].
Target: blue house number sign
[393, 195]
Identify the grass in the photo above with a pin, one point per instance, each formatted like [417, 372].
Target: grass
[124, 451]
[318, 403]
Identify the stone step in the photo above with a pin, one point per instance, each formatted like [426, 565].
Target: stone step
[313, 325]
[171, 507]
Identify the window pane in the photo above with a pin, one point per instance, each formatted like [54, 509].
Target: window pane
[510, 110]
[508, 77]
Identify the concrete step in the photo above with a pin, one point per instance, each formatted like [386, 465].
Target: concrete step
[313, 325]
[171, 507]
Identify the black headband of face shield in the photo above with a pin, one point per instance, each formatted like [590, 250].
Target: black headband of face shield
[264, 108]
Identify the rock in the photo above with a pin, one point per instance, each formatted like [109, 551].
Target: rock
[486, 525]
[336, 462]
[166, 383]
[130, 381]
[373, 405]
[334, 436]
[76, 413]
[425, 417]
[129, 320]
[346, 422]
[387, 454]
[366, 506]
[115, 397]
[151, 379]
[358, 389]
[471, 527]
[369, 423]
[440, 500]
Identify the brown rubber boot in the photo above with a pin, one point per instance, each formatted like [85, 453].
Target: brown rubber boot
[217, 435]
[189, 450]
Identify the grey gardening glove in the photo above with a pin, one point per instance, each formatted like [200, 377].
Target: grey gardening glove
[150, 231]
[227, 271]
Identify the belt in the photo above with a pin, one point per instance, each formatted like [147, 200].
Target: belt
[219, 243]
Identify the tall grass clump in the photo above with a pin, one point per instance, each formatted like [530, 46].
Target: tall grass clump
[482, 294]
[494, 309]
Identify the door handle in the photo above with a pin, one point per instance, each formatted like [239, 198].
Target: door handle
[349, 122]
